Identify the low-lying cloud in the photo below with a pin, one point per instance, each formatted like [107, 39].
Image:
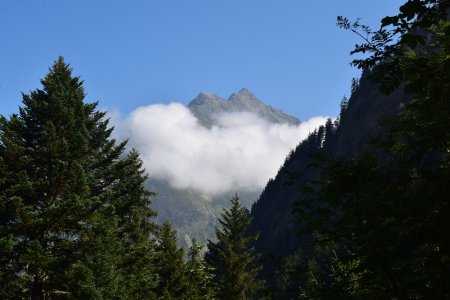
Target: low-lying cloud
[242, 153]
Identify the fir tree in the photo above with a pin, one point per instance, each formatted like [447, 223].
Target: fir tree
[170, 264]
[137, 235]
[234, 260]
[343, 106]
[70, 208]
[199, 275]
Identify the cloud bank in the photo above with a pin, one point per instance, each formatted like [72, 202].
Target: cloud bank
[242, 153]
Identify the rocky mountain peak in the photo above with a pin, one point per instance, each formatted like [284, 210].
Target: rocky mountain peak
[206, 107]
[244, 99]
[245, 92]
[206, 99]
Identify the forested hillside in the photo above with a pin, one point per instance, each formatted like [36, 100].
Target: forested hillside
[349, 135]
[359, 209]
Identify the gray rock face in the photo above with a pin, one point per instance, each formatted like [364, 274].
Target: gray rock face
[206, 107]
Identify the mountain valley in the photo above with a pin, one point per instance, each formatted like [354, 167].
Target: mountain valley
[193, 212]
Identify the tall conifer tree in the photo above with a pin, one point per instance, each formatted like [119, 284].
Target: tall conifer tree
[70, 207]
[171, 265]
[234, 260]
[200, 284]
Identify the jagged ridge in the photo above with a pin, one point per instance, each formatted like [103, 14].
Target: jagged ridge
[206, 107]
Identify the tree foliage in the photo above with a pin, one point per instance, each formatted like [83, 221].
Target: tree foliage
[233, 259]
[75, 220]
[171, 264]
[199, 274]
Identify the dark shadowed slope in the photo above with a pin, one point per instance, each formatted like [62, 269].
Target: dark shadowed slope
[359, 123]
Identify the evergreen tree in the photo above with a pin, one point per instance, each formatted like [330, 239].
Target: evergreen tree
[343, 106]
[234, 260]
[329, 132]
[355, 85]
[199, 275]
[170, 264]
[137, 235]
[70, 208]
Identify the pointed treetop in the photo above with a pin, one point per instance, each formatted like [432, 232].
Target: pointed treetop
[60, 76]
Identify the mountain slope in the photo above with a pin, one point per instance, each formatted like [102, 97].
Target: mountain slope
[359, 123]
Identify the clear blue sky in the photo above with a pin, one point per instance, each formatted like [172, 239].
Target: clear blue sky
[131, 53]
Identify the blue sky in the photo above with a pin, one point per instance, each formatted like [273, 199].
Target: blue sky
[132, 53]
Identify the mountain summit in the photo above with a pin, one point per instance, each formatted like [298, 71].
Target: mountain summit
[244, 98]
[207, 107]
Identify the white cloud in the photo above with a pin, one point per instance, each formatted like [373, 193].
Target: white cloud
[240, 154]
